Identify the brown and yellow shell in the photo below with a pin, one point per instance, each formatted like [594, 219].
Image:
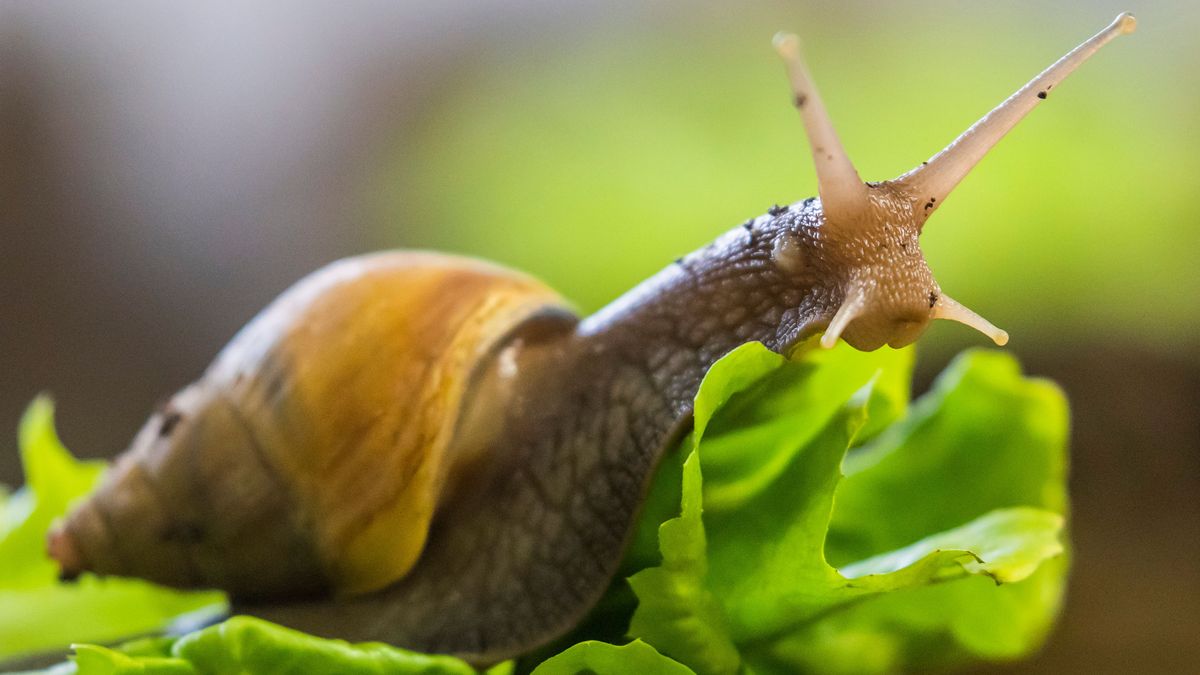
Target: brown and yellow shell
[311, 456]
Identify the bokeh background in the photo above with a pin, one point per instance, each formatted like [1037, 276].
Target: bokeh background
[166, 170]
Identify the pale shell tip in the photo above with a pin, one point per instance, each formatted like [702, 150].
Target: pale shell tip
[61, 548]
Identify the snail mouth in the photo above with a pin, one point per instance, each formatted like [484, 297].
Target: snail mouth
[906, 332]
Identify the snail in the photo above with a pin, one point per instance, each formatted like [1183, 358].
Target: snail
[438, 453]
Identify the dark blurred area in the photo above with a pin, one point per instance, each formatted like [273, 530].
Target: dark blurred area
[1133, 605]
[167, 170]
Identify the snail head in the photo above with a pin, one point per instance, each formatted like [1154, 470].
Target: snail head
[865, 239]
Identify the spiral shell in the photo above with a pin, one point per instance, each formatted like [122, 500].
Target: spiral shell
[311, 456]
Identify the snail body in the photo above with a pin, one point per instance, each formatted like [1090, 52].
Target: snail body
[438, 453]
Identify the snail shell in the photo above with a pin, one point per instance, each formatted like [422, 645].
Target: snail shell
[335, 411]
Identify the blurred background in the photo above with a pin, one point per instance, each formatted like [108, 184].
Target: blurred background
[167, 170]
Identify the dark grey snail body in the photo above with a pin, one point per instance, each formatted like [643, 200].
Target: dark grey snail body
[436, 453]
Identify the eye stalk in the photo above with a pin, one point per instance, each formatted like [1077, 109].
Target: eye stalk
[843, 193]
[877, 305]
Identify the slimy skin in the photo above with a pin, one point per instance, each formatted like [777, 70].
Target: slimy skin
[437, 453]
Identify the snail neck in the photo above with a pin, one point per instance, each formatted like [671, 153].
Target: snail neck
[742, 287]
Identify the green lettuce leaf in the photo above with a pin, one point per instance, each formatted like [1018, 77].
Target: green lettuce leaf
[601, 658]
[244, 644]
[37, 612]
[54, 479]
[931, 518]
[97, 660]
[676, 610]
[984, 438]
